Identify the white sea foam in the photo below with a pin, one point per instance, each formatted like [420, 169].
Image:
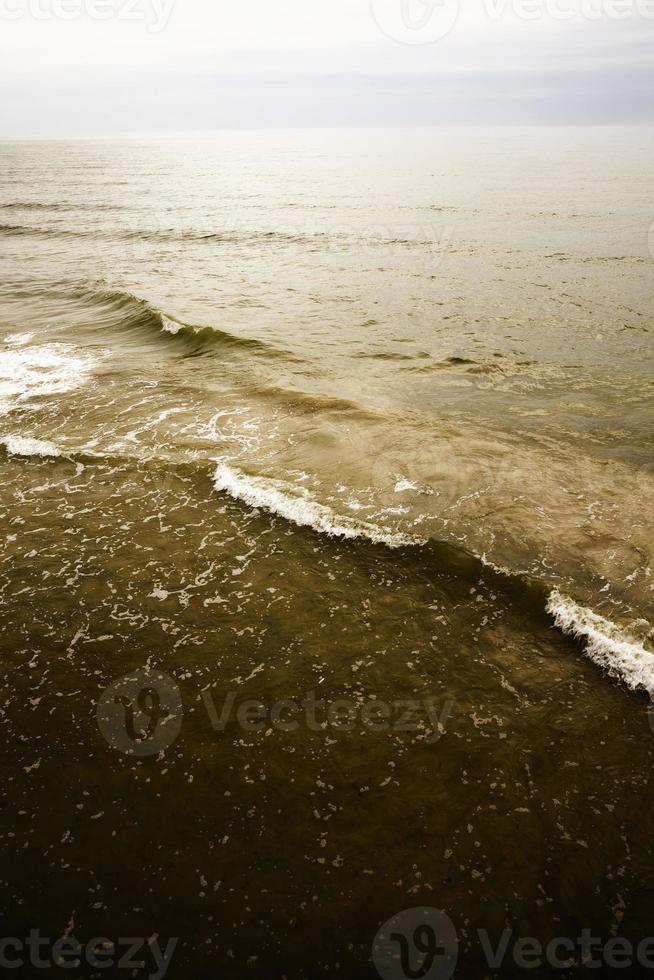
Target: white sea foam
[403, 485]
[36, 372]
[500, 569]
[605, 643]
[295, 504]
[19, 446]
[170, 326]
[18, 339]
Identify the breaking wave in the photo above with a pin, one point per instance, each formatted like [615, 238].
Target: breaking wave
[121, 309]
[296, 505]
[605, 643]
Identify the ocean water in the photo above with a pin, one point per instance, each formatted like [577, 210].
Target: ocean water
[347, 416]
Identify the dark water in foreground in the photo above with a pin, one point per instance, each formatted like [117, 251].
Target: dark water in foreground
[320, 476]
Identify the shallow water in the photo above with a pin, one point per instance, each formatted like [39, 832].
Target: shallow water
[349, 417]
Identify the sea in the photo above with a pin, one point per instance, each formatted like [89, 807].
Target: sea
[333, 451]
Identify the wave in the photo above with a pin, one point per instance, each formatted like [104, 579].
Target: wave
[608, 645]
[14, 230]
[33, 230]
[157, 234]
[605, 643]
[138, 314]
[57, 206]
[308, 403]
[329, 238]
[20, 446]
[31, 206]
[296, 505]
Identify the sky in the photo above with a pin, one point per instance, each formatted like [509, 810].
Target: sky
[111, 67]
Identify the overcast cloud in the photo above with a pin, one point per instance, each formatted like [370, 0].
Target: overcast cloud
[169, 65]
